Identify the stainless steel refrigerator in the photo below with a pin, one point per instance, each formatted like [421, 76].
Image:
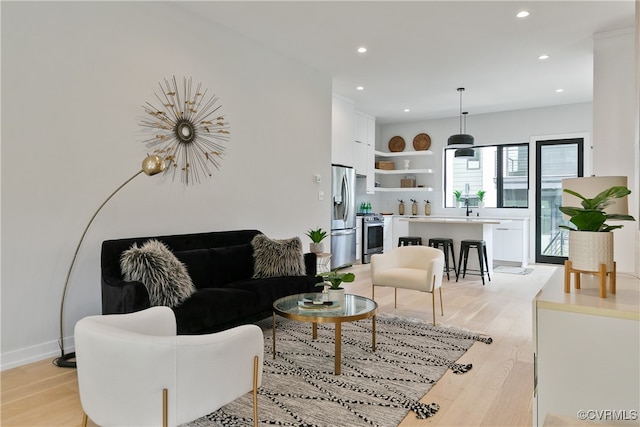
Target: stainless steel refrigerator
[343, 216]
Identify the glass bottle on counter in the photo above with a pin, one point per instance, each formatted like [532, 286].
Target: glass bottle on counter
[427, 208]
[414, 207]
[401, 207]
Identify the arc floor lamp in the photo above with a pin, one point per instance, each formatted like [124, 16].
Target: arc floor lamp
[186, 135]
[151, 165]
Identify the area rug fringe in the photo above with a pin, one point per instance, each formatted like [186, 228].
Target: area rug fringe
[377, 388]
[477, 335]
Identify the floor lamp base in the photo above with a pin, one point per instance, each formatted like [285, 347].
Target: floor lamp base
[65, 361]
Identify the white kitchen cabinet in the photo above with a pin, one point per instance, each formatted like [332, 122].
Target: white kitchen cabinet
[364, 141]
[387, 238]
[420, 162]
[360, 158]
[586, 351]
[342, 111]
[511, 241]
[371, 158]
[358, 238]
[398, 229]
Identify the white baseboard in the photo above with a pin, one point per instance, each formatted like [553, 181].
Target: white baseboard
[36, 353]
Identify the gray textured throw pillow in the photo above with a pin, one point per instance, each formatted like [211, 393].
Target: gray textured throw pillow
[275, 258]
[164, 276]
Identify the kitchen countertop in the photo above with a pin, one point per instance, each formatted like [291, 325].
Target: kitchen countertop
[457, 220]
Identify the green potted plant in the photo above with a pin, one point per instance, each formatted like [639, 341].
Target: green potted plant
[590, 237]
[333, 279]
[458, 195]
[480, 195]
[316, 237]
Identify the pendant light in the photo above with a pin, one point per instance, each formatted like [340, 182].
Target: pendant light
[464, 152]
[461, 140]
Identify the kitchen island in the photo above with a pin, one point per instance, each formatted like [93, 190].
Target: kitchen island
[505, 237]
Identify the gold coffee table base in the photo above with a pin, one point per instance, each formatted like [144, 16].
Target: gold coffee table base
[354, 308]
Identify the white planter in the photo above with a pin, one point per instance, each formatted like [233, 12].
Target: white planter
[336, 295]
[458, 204]
[316, 248]
[481, 205]
[589, 249]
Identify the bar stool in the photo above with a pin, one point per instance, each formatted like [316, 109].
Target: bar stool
[409, 241]
[447, 247]
[481, 247]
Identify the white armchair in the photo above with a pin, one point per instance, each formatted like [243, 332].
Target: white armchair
[409, 267]
[133, 370]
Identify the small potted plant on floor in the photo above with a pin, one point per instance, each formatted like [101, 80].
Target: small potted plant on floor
[316, 237]
[480, 195]
[333, 279]
[590, 238]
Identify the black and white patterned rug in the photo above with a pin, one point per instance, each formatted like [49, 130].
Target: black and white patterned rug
[377, 388]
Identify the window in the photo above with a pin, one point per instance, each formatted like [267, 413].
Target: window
[502, 171]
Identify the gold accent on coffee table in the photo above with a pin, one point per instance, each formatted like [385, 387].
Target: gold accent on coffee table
[354, 308]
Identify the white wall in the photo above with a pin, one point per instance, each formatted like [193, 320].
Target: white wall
[615, 120]
[74, 78]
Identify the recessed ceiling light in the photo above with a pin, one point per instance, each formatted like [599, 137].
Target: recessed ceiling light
[406, 110]
[360, 88]
[522, 14]
[362, 49]
[543, 57]
[559, 90]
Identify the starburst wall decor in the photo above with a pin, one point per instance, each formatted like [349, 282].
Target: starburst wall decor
[188, 129]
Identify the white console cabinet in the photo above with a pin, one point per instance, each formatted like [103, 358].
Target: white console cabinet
[587, 352]
[511, 242]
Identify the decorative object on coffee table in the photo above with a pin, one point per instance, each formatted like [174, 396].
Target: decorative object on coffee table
[333, 279]
[590, 238]
[187, 129]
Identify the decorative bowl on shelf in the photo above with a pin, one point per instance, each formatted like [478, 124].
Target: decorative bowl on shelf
[396, 144]
[421, 142]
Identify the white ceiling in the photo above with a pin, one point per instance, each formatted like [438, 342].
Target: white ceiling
[419, 52]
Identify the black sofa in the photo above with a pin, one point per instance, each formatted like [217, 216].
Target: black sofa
[220, 265]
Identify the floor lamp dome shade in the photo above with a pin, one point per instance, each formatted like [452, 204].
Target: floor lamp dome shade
[462, 139]
[153, 165]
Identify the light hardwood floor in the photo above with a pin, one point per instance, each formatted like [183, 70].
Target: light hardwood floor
[496, 392]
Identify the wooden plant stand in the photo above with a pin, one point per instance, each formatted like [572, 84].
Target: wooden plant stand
[602, 272]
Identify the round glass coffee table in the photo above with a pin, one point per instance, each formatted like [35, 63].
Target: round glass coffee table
[310, 308]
